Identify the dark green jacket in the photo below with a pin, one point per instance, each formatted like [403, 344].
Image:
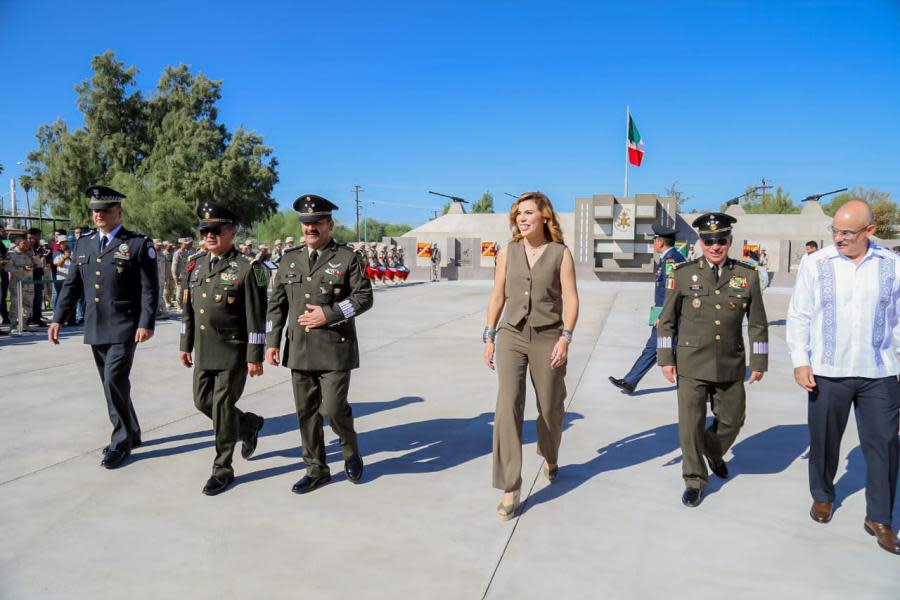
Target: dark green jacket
[336, 283]
[224, 311]
[700, 327]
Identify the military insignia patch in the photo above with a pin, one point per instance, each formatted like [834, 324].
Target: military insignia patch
[333, 269]
[738, 282]
[261, 279]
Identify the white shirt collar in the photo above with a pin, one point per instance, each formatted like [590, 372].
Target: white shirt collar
[112, 234]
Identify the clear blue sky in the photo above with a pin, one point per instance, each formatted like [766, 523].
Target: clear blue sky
[462, 97]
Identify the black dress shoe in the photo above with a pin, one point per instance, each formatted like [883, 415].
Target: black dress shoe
[248, 447]
[113, 459]
[353, 467]
[308, 484]
[622, 385]
[135, 443]
[719, 467]
[217, 485]
[692, 497]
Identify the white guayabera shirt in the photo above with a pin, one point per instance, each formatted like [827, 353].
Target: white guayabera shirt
[844, 318]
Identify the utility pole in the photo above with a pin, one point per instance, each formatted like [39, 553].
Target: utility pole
[357, 190]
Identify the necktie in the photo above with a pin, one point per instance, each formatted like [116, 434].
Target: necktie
[103, 242]
[716, 272]
[313, 257]
[212, 262]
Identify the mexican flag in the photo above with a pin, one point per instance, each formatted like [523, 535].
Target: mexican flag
[635, 147]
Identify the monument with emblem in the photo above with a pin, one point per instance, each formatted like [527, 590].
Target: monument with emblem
[614, 235]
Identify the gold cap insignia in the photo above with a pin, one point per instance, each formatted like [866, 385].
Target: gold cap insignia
[713, 226]
[206, 215]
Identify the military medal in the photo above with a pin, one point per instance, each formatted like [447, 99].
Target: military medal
[229, 277]
[218, 297]
[695, 302]
[738, 282]
[231, 299]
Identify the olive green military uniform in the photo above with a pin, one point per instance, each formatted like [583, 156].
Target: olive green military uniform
[700, 332]
[223, 323]
[320, 358]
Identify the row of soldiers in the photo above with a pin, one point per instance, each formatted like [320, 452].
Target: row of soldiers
[228, 328]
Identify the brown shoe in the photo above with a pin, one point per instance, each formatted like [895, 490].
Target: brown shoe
[821, 512]
[884, 535]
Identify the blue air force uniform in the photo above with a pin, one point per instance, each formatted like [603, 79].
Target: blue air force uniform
[117, 275]
[664, 280]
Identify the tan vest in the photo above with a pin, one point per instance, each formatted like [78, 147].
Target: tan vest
[533, 295]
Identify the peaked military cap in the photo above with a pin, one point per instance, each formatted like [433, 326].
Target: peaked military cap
[313, 208]
[713, 225]
[213, 214]
[100, 197]
[664, 232]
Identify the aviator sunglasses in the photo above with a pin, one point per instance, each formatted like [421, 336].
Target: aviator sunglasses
[213, 229]
[721, 241]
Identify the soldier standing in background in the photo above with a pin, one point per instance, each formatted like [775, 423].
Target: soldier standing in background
[179, 261]
[223, 323]
[319, 290]
[435, 262]
[20, 264]
[704, 314]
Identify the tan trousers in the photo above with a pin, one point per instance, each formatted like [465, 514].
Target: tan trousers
[518, 351]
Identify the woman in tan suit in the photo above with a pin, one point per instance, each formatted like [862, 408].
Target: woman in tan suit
[535, 282]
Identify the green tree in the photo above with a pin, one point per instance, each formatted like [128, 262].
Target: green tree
[168, 151]
[485, 204]
[886, 211]
[778, 203]
[287, 223]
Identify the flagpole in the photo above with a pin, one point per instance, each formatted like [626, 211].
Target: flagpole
[627, 121]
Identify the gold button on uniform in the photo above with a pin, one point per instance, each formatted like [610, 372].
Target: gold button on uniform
[202, 311]
[718, 337]
[306, 329]
[718, 306]
[96, 286]
[98, 260]
[306, 295]
[718, 322]
[718, 292]
[203, 294]
[202, 327]
[309, 278]
[97, 273]
[97, 300]
[207, 280]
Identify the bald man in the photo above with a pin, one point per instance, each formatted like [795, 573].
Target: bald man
[843, 332]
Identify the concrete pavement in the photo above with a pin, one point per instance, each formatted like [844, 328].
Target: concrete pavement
[422, 523]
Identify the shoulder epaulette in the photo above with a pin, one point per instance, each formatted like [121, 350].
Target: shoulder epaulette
[746, 265]
[295, 248]
[686, 263]
[197, 255]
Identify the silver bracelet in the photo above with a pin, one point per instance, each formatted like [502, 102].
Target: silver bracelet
[488, 334]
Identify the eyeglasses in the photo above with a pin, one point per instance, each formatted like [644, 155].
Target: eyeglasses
[211, 230]
[720, 241]
[845, 233]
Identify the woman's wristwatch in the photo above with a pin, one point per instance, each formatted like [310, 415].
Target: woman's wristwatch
[566, 333]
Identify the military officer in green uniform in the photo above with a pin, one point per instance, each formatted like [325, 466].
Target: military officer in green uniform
[318, 291]
[223, 324]
[700, 344]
